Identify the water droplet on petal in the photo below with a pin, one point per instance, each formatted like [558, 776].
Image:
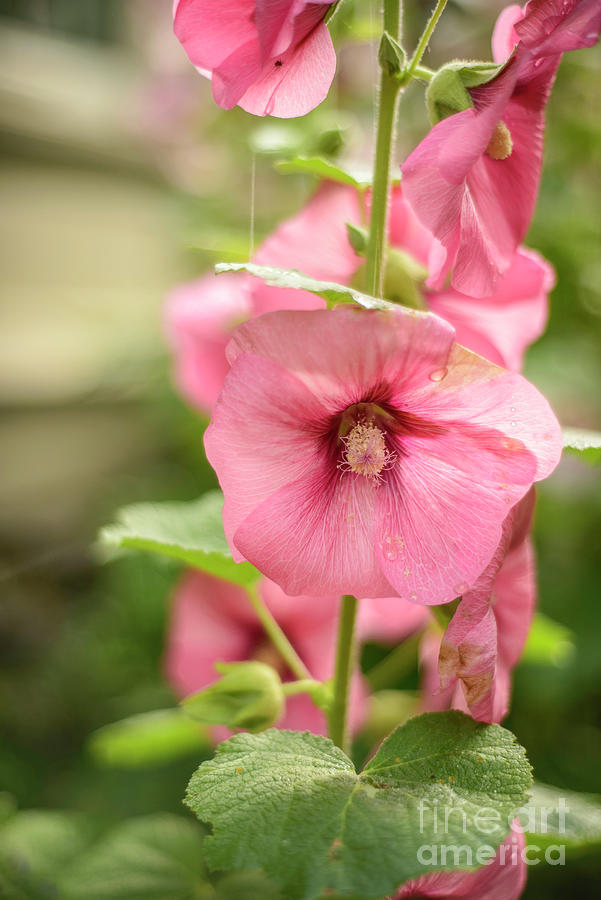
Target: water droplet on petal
[460, 588]
[438, 374]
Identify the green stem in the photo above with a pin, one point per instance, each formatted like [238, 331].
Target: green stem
[277, 636]
[303, 686]
[399, 662]
[424, 40]
[345, 660]
[389, 93]
[423, 73]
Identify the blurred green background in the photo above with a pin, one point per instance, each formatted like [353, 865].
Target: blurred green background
[120, 178]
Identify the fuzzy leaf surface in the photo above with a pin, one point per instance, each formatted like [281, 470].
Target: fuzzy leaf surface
[293, 805]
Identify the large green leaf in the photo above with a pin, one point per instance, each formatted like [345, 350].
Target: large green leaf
[35, 848]
[152, 858]
[555, 816]
[292, 803]
[147, 739]
[190, 532]
[331, 292]
[583, 443]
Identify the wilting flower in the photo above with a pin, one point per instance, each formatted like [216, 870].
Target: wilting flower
[271, 57]
[212, 621]
[503, 878]
[470, 669]
[368, 453]
[199, 319]
[474, 179]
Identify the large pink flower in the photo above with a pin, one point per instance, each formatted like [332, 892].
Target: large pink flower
[470, 669]
[503, 878]
[199, 319]
[271, 57]
[368, 453]
[212, 621]
[474, 179]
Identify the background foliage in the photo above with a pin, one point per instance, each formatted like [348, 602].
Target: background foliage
[119, 178]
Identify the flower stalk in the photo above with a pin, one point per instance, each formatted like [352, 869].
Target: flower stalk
[387, 108]
[345, 661]
[277, 636]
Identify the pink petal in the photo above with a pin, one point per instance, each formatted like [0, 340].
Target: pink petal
[389, 619]
[505, 37]
[314, 242]
[501, 327]
[554, 26]
[280, 22]
[199, 318]
[503, 878]
[211, 621]
[297, 86]
[210, 32]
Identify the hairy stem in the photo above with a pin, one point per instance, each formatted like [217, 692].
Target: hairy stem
[277, 636]
[425, 39]
[387, 106]
[345, 660]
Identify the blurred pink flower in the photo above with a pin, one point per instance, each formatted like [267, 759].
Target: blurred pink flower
[474, 178]
[200, 316]
[368, 453]
[213, 621]
[470, 669]
[503, 878]
[271, 57]
[199, 319]
[315, 242]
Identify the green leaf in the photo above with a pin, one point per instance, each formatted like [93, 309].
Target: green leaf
[548, 643]
[156, 857]
[448, 93]
[583, 443]
[35, 848]
[331, 292]
[292, 803]
[147, 739]
[555, 816]
[324, 169]
[190, 532]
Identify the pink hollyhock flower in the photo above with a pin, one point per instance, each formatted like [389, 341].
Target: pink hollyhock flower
[199, 319]
[470, 669]
[503, 878]
[367, 453]
[271, 57]
[212, 621]
[474, 179]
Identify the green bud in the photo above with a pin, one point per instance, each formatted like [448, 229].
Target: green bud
[357, 238]
[403, 278]
[249, 695]
[392, 57]
[448, 92]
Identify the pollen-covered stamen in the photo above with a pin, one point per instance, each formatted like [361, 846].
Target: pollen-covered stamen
[365, 451]
[500, 145]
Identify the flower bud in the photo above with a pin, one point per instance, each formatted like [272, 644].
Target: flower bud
[249, 695]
